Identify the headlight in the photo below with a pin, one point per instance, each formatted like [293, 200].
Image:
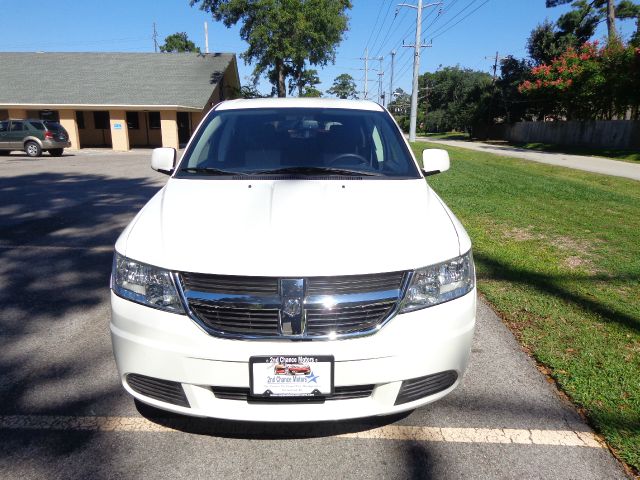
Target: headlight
[144, 284]
[440, 283]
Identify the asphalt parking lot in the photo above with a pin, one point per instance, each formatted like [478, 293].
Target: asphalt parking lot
[63, 413]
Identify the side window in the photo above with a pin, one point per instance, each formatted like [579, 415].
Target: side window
[80, 119]
[101, 120]
[4, 126]
[17, 126]
[154, 120]
[132, 121]
[378, 149]
[37, 125]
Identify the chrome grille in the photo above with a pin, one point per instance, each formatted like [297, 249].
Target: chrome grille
[354, 283]
[344, 320]
[235, 285]
[267, 308]
[237, 320]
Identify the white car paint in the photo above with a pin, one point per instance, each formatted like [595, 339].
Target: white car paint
[293, 228]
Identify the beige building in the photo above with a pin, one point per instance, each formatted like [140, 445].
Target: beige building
[117, 100]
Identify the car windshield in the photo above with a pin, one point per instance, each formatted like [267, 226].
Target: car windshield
[301, 141]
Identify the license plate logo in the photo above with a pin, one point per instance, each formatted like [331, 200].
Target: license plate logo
[291, 376]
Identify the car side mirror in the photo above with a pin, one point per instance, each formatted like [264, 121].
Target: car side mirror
[163, 160]
[435, 160]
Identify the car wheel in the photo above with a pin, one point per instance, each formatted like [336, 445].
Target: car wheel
[56, 152]
[32, 149]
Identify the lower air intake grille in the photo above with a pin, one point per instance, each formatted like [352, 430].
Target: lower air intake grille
[162, 390]
[418, 388]
[340, 393]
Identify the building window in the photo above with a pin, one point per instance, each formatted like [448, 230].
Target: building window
[132, 121]
[154, 120]
[101, 120]
[80, 120]
[52, 115]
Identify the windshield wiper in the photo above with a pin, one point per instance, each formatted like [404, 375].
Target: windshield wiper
[210, 171]
[317, 170]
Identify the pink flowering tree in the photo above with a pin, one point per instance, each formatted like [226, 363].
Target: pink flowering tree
[590, 82]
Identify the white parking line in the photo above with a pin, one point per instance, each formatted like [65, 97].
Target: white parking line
[567, 438]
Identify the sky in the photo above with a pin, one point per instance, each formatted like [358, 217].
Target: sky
[461, 32]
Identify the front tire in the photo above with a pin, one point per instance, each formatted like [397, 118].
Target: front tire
[32, 149]
[56, 152]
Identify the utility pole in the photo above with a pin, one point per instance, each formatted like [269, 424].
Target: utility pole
[366, 59]
[380, 90]
[155, 38]
[393, 56]
[366, 72]
[206, 38]
[416, 64]
[496, 59]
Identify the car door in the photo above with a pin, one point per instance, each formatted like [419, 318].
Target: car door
[16, 134]
[4, 131]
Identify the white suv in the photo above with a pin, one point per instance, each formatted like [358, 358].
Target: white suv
[295, 267]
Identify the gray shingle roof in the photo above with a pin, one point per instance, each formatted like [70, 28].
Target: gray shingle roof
[182, 79]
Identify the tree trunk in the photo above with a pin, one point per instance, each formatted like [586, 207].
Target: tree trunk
[300, 84]
[611, 19]
[280, 86]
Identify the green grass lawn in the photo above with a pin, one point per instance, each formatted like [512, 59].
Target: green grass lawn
[558, 256]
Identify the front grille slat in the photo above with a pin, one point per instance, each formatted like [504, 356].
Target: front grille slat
[354, 283]
[254, 313]
[236, 320]
[230, 284]
[340, 393]
[347, 319]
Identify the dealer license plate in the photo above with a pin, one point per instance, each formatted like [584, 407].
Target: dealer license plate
[291, 376]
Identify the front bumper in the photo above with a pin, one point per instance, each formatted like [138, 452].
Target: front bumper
[172, 347]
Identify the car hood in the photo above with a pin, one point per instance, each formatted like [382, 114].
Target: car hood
[292, 227]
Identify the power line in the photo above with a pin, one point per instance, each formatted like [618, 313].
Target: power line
[366, 59]
[442, 13]
[392, 31]
[458, 13]
[462, 19]
[416, 65]
[386, 15]
[405, 66]
[375, 24]
[495, 64]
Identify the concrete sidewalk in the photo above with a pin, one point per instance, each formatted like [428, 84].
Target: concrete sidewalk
[579, 162]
